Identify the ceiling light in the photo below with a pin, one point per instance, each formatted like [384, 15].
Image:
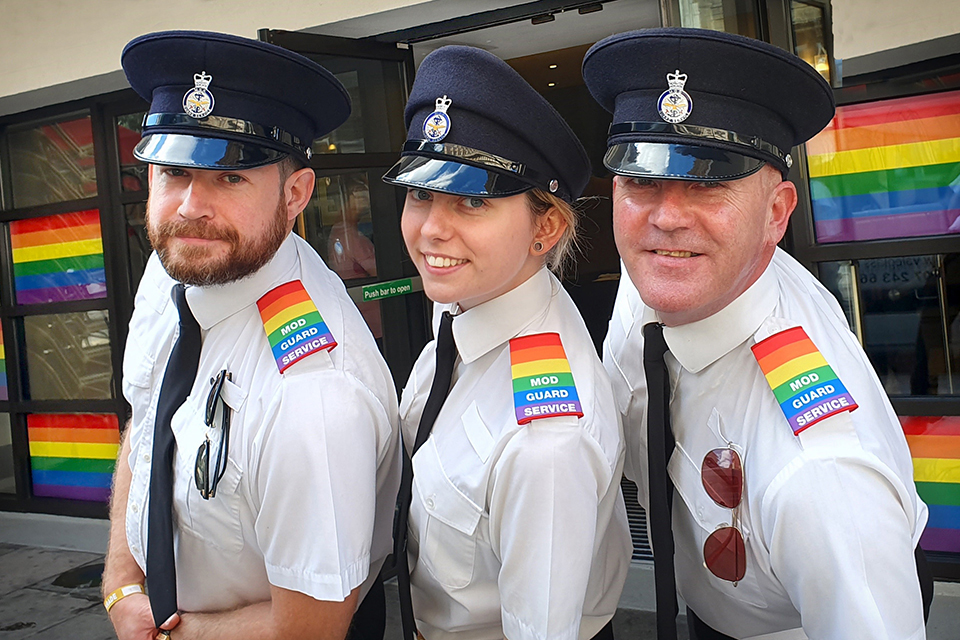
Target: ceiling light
[553, 66]
[551, 84]
[590, 8]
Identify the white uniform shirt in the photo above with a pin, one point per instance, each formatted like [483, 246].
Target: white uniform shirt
[830, 517]
[515, 531]
[308, 496]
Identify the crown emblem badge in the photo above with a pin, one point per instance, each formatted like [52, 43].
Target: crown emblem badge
[675, 105]
[437, 125]
[198, 101]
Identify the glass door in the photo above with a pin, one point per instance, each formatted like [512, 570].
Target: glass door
[353, 220]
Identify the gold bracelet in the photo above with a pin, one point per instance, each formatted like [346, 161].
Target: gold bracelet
[120, 594]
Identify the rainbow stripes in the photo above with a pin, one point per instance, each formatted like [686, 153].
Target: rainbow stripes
[58, 258]
[72, 455]
[805, 385]
[4, 392]
[935, 446]
[888, 169]
[543, 385]
[293, 324]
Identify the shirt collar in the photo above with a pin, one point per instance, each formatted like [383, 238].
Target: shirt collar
[214, 304]
[699, 344]
[481, 329]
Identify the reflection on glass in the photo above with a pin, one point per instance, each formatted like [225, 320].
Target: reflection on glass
[838, 278]
[52, 163]
[138, 245]
[58, 258]
[7, 482]
[339, 224]
[886, 169]
[68, 356]
[903, 329]
[810, 42]
[950, 272]
[732, 16]
[348, 137]
[133, 172]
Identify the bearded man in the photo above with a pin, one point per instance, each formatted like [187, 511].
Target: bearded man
[255, 488]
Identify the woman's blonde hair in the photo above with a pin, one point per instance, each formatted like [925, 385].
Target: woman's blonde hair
[561, 254]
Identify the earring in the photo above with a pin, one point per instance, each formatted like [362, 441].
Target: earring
[538, 246]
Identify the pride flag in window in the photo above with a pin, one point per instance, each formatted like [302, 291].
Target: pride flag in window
[888, 169]
[72, 455]
[935, 447]
[58, 258]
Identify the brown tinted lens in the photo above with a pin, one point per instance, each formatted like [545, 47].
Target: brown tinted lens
[725, 555]
[722, 476]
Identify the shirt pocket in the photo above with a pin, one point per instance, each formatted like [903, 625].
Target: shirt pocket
[216, 521]
[138, 366]
[448, 540]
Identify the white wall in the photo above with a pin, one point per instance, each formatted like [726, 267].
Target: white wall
[50, 42]
[861, 27]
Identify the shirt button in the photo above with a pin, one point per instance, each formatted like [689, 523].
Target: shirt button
[430, 503]
[146, 457]
[135, 549]
[136, 508]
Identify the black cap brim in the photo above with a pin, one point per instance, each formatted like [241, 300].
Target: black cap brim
[454, 178]
[200, 152]
[666, 161]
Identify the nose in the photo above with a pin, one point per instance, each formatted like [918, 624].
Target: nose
[437, 225]
[672, 210]
[197, 201]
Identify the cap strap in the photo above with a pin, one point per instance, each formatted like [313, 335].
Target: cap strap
[483, 158]
[230, 125]
[695, 131]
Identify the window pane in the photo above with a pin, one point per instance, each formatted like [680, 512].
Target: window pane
[58, 258]
[887, 169]
[68, 356]
[810, 42]
[903, 331]
[72, 455]
[7, 482]
[52, 163]
[838, 277]
[4, 389]
[732, 16]
[378, 94]
[138, 245]
[133, 172]
[932, 437]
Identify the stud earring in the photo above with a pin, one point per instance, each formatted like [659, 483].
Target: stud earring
[538, 246]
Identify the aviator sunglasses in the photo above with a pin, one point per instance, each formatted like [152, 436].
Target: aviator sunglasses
[724, 553]
[206, 478]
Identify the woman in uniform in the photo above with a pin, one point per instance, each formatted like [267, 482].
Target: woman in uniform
[516, 526]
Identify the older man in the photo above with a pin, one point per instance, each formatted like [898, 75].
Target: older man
[781, 501]
[255, 488]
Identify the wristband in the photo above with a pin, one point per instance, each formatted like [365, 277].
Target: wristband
[120, 594]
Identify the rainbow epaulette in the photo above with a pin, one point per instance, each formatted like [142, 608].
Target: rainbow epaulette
[543, 385]
[293, 324]
[804, 383]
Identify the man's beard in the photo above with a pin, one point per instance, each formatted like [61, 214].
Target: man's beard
[190, 265]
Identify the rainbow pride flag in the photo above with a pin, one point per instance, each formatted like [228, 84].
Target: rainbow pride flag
[935, 445]
[543, 385]
[73, 455]
[58, 258]
[888, 169]
[804, 383]
[293, 324]
[4, 392]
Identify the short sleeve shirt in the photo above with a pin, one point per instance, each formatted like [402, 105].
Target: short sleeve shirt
[516, 531]
[830, 517]
[306, 502]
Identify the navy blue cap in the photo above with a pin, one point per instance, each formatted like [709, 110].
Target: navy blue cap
[693, 104]
[476, 128]
[219, 101]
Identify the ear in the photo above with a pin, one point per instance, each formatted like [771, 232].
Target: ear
[297, 191]
[550, 228]
[150, 168]
[783, 200]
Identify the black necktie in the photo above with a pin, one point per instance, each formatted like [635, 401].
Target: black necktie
[177, 382]
[660, 444]
[446, 357]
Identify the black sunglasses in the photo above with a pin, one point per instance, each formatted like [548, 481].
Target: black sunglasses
[205, 480]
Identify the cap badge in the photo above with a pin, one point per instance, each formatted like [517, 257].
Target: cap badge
[675, 104]
[198, 102]
[437, 125]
